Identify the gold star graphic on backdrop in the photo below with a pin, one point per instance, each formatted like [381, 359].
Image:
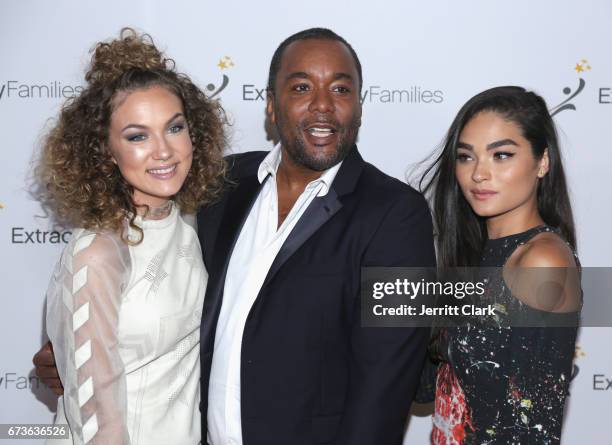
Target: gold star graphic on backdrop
[582, 66]
[225, 63]
[1, 206]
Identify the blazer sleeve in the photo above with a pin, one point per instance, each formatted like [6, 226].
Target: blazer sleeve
[386, 363]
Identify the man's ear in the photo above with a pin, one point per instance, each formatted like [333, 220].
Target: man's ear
[270, 107]
[359, 108]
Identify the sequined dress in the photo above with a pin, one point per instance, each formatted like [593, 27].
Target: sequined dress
[124, 322]
[501, 384]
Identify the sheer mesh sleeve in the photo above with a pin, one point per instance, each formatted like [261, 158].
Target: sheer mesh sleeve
[83, 304]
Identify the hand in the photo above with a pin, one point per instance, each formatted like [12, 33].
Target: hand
[46, 370]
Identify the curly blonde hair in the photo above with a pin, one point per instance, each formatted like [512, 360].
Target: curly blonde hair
[79, 180]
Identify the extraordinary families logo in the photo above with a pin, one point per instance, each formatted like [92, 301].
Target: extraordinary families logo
[225, 63]
[53, 89]
[581, 67]
[57, 89]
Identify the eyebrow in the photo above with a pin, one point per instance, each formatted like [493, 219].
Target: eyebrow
[303, 75]
[297, 75]
[338, 76]
[176, 115]
[490, 146]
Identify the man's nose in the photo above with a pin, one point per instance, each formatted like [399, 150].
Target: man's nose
[322, 101]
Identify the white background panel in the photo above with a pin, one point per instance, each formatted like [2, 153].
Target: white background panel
[456, 48]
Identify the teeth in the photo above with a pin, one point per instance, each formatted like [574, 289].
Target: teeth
[320, 132]
[162, 171]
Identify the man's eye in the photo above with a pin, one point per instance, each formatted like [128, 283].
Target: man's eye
[301, 88]
[342, 89]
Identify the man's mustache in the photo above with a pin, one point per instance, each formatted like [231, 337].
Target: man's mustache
[325, 120]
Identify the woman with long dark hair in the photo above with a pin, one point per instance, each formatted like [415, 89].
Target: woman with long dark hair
[500, 202]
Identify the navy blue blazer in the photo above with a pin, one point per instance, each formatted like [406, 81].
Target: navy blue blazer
[310, 374]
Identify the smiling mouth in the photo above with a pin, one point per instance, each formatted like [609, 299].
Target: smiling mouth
[163, 172]
[321, 132]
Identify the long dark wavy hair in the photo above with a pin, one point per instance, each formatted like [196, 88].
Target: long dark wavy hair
[461, 233]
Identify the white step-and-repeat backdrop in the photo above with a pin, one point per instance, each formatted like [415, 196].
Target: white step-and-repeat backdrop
[421, 62]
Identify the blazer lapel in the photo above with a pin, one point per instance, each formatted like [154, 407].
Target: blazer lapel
[319, 211]
[237, 209]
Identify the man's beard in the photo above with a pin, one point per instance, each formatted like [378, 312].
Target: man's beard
[296, 147]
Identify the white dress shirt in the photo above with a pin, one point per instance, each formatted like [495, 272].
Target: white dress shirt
[259, 242]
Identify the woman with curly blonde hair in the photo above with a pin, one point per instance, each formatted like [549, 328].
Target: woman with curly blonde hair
[128, 160]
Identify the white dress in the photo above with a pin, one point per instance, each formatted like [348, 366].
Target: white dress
[124, 323]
